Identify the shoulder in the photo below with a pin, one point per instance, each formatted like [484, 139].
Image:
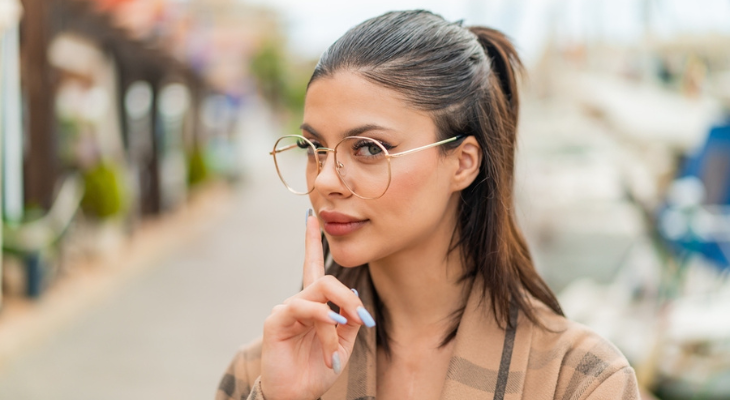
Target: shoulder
[241, 373]
[587, 365]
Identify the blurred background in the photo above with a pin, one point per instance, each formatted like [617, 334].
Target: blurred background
[146, 236]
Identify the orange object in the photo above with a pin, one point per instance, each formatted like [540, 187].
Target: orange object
[105, 5]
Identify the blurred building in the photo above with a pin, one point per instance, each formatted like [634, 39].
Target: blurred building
[112, 111]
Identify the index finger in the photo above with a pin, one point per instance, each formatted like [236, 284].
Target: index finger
[313, 255]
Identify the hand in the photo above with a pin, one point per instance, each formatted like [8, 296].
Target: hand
[306, 344]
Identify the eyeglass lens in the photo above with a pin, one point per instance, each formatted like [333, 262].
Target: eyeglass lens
[361, 163]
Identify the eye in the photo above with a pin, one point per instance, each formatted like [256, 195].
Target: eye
[368, 148]
[372, 149]
[317, 144]
[302, 144]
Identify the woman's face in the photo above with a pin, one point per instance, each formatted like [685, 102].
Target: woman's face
[417, 203]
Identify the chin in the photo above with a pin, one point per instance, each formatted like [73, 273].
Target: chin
[348, 261]
[348, 257]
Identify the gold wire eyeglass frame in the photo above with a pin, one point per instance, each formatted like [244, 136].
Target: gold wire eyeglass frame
[339, 166]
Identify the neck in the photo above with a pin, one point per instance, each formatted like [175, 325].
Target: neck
[420, 289]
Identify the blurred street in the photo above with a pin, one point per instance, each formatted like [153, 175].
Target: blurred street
[162, 335]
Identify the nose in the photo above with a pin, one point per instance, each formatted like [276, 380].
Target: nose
[328, 182]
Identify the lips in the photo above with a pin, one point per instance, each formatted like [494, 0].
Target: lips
[338, 224]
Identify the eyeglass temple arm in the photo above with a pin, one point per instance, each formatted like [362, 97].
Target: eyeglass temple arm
[325, 149]
[291, 146]
[428, 146]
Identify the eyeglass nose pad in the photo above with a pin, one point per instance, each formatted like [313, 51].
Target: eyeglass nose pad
[341, 169]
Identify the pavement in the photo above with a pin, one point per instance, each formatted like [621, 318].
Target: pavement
[171, 330]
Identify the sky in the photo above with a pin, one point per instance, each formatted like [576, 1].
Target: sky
[313, 25]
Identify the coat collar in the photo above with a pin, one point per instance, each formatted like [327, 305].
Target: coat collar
[483, 365]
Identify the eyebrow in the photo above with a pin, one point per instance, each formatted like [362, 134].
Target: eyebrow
[352, 132]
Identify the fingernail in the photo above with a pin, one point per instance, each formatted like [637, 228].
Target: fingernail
[355, 291]
[337, 318]
[366, 318]
[306, 216]
[336, 365]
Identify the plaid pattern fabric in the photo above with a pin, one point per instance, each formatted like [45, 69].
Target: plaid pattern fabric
[567, 361]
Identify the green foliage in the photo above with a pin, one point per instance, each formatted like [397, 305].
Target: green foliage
[283, 82]
[104, 194]
[296, 88]
[197, 168]
[268, 67]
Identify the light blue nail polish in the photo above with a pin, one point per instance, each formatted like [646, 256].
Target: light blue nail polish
[366, 318]
[306, 217]
[337, 318]
[355, 291]
[336, 364]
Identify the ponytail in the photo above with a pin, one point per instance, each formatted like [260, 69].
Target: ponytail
[505, 64]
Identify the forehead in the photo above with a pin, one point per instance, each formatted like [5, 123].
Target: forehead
[346, 101]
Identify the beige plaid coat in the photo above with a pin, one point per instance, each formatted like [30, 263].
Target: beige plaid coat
[571, 362]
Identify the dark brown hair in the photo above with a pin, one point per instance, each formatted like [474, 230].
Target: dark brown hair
[466, 78]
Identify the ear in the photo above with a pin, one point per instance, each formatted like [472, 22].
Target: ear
[468, 159]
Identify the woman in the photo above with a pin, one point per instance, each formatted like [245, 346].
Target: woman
[407, 155]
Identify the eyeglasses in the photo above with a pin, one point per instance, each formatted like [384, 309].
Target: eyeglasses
[362, 163]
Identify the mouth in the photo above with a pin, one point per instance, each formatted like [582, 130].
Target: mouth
[338, 224]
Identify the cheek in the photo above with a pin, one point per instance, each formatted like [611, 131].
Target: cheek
[412, 208]
[418, 192]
